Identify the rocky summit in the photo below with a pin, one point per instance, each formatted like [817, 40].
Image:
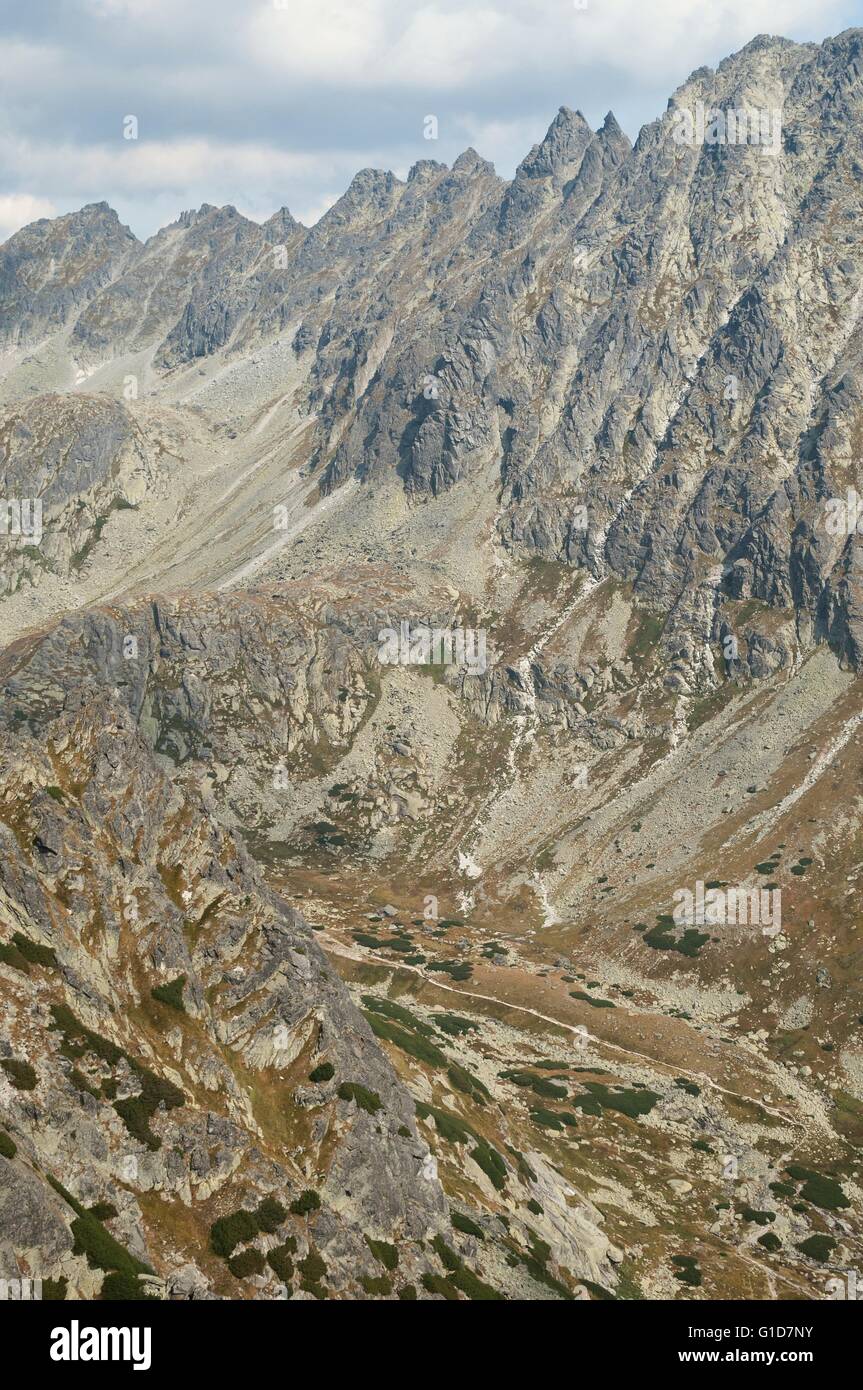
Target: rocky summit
[430, 797]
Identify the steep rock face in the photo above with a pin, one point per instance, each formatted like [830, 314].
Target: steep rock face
[51, 269]
[123, 882]
[651, 353]
[601, 413]
[184, 263]
[192, 1050]
[81, 458]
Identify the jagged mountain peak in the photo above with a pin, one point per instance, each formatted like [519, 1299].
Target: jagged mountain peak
[101, 209]
[371, 193]
[597, 412]
[89, 218]
[469, 162]
[425, 169]
[282, 223]
[560, 151]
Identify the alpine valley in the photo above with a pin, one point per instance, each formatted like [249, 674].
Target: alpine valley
[328, 976]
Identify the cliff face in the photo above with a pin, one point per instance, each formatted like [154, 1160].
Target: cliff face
[606, 414]
[656, 350]
[117, 882]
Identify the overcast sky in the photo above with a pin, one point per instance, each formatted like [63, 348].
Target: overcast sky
[267, 103]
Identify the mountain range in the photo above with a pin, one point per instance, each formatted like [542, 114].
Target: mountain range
[332, 975]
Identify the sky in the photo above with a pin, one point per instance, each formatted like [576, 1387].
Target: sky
[272, 103]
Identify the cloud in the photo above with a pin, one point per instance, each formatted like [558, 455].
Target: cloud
[451, 46]
[134, 165]
[263, 103]
[17, 209]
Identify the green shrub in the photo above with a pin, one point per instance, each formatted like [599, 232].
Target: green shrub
[632, 1102]
[466, 1226]
[280, 1262]
[782, 1189]
[101, 1249]
[364, 1098]
[136, 1117]
[589, 999]
[325, 1072]
[454, 1025]
[525, 1172]
[449, 1126]
[817, 1247]
[33, 953]
[135, 1111]
[599, 1292]
[456, 969]
[435, 1283]
[689, 1087]
[397, 1014]
[171, 994]
[760, 1218]
[770, 1241]
[407, 1293]
[66, 1023]
[269, 1215]
[80, 1082]
[103, 1211]
[547, 1119]
[820, 1190]
[8, 1147]
[385, 1253]
[689, 944]
[21, 1075]
[414, 1044]
[491, 1163]
[55, 1290]
[461, 1277]
[540, 1085]
[533, 1205]
[536, 1261]
[588, 1104]
[463, 1080]
[246, 1263]
[10, 955]
[306, 1202]
[687, 1270]
[230, 1231]
[378, 1286]
[313, 1270]
[121, 1287]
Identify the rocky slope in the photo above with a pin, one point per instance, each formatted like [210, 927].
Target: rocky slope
[600, 412]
